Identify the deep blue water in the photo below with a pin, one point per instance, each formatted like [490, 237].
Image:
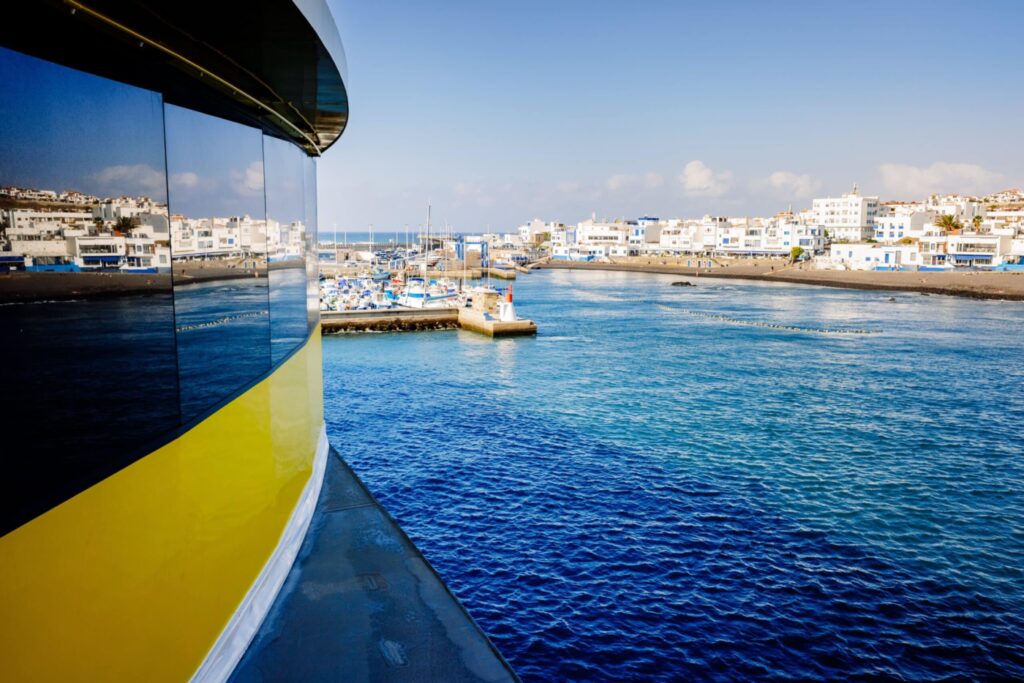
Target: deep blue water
[657, 487]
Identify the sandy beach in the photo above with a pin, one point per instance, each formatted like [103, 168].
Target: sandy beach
[978, 285]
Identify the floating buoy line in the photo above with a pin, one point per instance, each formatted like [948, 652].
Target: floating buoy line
[770, 326]
[220, 321]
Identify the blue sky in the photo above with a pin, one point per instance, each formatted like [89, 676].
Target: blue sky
[498, 113]
[214, 167]
[67, 130]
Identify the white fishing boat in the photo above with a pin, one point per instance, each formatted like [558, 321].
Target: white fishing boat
[420, 293]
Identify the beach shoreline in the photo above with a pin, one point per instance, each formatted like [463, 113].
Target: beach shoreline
[45, 286]
[976, 285]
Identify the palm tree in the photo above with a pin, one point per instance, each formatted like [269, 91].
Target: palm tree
[126, 224]
[948, 223]
[977, 222]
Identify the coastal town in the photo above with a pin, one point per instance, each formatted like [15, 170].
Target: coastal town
[850, 232]
[72, 232]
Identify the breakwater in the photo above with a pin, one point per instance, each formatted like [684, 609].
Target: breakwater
[418, 320]
[388, 320]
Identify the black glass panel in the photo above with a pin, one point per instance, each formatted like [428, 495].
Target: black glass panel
[86, 309]
[219, 249]
[286, 245]
[312, 235]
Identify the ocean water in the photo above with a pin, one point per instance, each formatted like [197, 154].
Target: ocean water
[725, 481]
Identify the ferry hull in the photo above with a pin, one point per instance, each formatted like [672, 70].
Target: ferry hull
[136, 577]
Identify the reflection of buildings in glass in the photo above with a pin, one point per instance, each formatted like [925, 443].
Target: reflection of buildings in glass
[124, 234]
[285, 241]
[237, 241]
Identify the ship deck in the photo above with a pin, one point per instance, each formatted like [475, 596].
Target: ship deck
[362, 604]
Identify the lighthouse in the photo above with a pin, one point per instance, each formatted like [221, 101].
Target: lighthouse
[506, 309]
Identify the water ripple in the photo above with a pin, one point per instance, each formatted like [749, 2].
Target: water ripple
[649, 499]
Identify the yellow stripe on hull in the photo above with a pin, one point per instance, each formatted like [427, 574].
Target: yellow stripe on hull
[135, 578]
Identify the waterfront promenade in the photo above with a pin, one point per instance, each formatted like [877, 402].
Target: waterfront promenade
[975, 284]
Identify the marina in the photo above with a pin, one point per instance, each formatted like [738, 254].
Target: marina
[383, 308]
[406, 289]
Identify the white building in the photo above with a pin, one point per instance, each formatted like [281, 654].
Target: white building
[850, 218]
[874, 256]
[964, 209]
[902, 224]
[603, 238]
[536, 230]
[973, 249]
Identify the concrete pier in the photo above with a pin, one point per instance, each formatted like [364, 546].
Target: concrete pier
[390, 320]
[476, 321]
[501, 273]
[415, 320]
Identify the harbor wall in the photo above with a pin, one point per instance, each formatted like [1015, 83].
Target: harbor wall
[389, 320]
[414, 320]
[476, 321]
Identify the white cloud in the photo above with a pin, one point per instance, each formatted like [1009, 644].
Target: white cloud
[131, 178]
[186, 180]
[250, 181]
[466, 189]
[570, 187]
[913, 182]
[617, 182]
[700, 181]
[626, 181]
[472, 192]
[789, 184]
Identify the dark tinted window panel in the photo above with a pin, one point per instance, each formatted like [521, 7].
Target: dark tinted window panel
[286, 245]
[312, 236]
[219, 250]
[86, 309]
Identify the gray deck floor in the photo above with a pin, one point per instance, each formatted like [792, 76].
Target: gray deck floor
[361, 604]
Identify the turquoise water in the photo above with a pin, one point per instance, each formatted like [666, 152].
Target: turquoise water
[724, 481]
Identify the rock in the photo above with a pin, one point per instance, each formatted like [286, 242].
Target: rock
[682, 283]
